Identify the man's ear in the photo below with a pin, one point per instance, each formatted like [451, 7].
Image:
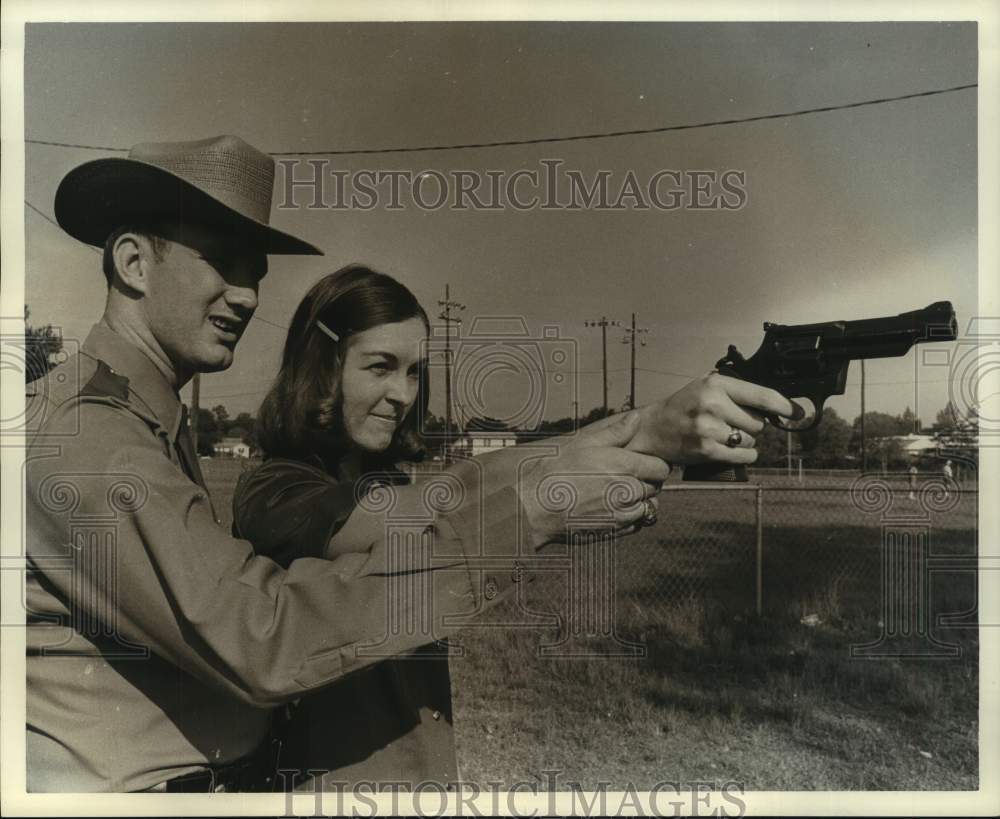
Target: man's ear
[131, 253]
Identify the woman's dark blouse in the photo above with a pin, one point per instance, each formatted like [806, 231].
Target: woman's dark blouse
[389, 722]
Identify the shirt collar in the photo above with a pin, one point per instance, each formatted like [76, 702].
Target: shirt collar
[146, 382]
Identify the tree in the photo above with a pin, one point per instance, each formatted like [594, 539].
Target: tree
[882, 448]
[432, 426]
[596, 414]
[772, 447]
[244, 419]
[877, 425]
[41, 345]
[208, 432]
[221, 416]
[946, 418]
[957, 435]
[827, 445]
[251, 440]
[432, 429]
[908, 422]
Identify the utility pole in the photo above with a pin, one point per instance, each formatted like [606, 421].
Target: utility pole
[448, 305]
[193, 421]
[629, 338]
[604, 323]
[864, 451]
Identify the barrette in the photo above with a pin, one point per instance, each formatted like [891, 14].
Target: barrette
[327, 330]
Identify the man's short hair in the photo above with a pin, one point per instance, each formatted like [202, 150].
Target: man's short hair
[160, 247]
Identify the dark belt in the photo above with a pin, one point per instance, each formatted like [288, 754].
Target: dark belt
[253, 773]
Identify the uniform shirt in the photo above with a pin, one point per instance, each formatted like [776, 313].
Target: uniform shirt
[389, 723]
[156, 642]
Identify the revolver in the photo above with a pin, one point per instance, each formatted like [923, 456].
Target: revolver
[810, 361]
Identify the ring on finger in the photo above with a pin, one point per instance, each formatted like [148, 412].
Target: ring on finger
[649, 513]
[735, 438]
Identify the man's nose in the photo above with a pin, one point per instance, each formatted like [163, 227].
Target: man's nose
[242, 299]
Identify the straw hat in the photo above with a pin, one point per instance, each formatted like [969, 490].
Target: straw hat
[221, 182]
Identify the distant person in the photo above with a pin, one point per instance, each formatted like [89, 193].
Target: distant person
[913, 482]
[157, 644]
[948, 474]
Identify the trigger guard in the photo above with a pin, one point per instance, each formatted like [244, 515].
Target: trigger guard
[777, 421]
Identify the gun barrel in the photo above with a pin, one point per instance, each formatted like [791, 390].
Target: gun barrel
[881, 337]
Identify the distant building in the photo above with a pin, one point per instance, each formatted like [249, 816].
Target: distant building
[915, 445]
[234, 448]
[477, 442]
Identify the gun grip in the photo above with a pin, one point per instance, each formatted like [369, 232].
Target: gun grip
[715, 472]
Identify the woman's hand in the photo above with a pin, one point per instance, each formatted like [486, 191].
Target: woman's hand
[694, 424]
[593, 478]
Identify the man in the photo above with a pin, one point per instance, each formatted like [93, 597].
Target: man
[157, 643]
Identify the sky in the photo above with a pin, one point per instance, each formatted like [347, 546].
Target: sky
[848, 214]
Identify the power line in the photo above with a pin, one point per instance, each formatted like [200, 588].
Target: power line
[52, 221]
[278, 326]
[571, 138]
[52, 144]
[269, 322]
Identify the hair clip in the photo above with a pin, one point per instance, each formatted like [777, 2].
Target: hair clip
[327, 330]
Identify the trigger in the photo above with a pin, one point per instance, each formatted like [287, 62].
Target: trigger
[778, 421]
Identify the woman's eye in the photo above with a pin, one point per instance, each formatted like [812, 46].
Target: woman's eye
[381, 369]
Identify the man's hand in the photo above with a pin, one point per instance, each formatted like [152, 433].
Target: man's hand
[593, 477]
[693, 424]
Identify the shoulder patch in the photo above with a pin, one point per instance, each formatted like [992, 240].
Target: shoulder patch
[106, 381]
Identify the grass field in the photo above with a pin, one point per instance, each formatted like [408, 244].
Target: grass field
[724, 694]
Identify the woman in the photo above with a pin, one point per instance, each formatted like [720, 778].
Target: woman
[345, 407]
[345, 404]
[342, 412]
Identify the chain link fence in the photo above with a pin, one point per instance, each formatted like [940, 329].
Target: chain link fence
[780, 547]
[772, 547]
[788, 550]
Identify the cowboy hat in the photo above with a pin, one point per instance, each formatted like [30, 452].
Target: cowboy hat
[221, 181]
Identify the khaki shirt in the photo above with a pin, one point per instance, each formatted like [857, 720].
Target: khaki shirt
[156, 642]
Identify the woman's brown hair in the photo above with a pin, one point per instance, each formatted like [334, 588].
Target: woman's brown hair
[300, 416]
